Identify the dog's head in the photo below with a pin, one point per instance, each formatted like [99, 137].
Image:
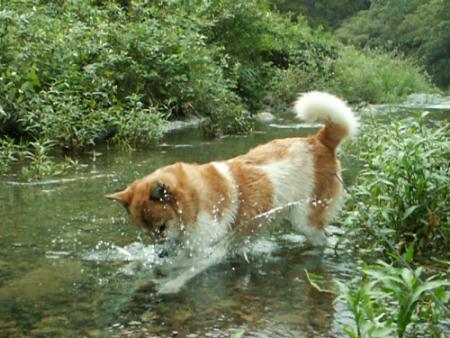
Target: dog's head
[154, 204]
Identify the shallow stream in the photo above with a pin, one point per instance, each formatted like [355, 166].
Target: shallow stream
[72, 265]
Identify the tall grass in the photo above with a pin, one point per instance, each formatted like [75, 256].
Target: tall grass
[376, 77]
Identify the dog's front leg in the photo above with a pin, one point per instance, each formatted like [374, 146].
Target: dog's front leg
[200, 265]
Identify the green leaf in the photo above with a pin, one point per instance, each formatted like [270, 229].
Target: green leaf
[409, 211]
[409, 253]
[428, 286]
[313, 279]
[33, 78]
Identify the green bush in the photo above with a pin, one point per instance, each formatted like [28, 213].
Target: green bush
[309, 67]
[327, 13]
[33, 159]
[78, 73]
[418, 28]
[71, 71]
[401, 193]
[376, 77]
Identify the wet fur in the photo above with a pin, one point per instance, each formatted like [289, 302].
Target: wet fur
[199, 204]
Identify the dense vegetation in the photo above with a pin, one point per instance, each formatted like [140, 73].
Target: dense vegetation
[77, 73]
[325, 13]
[419, 28]
[398, 208]
[402, 190]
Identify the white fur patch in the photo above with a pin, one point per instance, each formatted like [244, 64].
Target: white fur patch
[230, 214]
[209, 227]
[293, 182]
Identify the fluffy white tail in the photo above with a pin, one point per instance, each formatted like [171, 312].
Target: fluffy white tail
[339, 118]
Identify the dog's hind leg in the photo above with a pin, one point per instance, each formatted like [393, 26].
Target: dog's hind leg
[314, 234]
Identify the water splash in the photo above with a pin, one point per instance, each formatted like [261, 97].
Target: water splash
[136, 255]
[135, 251]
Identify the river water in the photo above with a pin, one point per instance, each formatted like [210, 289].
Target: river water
[72, 265]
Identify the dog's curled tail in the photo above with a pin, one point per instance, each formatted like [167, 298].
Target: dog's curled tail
[340, 122]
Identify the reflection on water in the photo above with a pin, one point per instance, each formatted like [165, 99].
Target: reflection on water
[71, 264]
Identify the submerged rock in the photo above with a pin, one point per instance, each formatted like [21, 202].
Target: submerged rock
[49, 326]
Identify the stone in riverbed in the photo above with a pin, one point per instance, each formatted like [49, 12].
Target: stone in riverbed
[264, 117]
[178, 125]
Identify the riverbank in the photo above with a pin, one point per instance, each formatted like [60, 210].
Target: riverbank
[144, 64]
[43, 159]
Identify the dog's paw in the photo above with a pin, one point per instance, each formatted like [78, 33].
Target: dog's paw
[171, 287]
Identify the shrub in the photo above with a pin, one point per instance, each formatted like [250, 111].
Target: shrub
[402, 190]
[376, 77]
[39, 163]
[70, 70]
[9, 153]
[328, 13]
[287, 83]
[390, 300]
[34, 158]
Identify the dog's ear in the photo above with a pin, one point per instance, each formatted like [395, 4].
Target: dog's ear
[160, 192]
[123, 197]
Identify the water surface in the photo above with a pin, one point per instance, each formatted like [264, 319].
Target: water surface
[72, 265]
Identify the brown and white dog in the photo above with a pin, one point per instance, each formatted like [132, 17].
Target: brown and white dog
[199, 204]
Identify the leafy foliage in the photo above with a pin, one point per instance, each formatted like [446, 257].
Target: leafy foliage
[72, 71]
[389, 300]
[9, 153]
[39, 162]
[78, 73]
[418, 28]
[376, 77]
[327, 13]
[402, 190]
[33, 159]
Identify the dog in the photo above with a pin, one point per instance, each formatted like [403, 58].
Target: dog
[200, 204]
